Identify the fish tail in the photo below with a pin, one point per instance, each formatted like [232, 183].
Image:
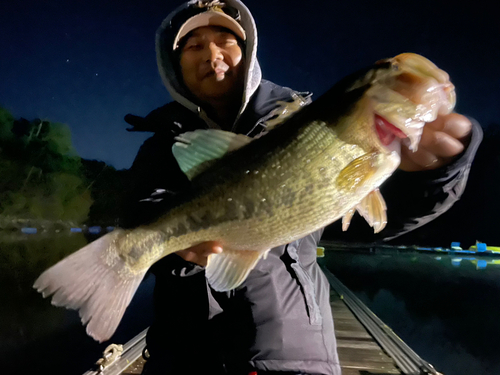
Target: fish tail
[95, 281]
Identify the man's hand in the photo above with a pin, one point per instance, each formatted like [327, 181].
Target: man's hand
[199, 253]
[442, 140]
[445, 137]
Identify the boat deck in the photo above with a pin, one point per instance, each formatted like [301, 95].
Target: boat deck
[135, 368]
[359, 353]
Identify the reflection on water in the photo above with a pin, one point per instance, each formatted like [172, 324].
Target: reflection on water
[36, 336]
[445, 307]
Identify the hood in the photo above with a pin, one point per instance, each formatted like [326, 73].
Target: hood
[166, 59]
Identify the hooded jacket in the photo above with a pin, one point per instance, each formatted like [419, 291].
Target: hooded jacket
[279, 319]
[168, 66]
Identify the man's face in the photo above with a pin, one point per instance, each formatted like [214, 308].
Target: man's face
[212, 64]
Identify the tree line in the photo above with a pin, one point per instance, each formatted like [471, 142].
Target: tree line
[43, 181]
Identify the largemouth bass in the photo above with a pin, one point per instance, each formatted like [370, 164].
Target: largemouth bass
[321, 164]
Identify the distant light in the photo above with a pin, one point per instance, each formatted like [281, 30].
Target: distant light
[481, 247]
[29, 230]
[95, 230]
[97, 74]
[67, 60]
[481, 264]
[76, 230]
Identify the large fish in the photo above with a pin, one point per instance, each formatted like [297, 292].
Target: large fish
[322, 163]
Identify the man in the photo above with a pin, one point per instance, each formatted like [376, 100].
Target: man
[279, 319]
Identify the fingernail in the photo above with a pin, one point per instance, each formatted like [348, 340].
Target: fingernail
[217, 249]
[434, 161]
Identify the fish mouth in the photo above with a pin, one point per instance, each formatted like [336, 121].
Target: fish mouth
[397, 115]
[386, 131]
[411, 93]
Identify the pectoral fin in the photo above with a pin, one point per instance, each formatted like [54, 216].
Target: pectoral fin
[227, 270]
[357, 172]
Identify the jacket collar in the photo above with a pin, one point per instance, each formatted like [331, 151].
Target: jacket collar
[174, 118]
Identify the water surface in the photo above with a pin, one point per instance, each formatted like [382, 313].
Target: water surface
[36, 337]
[446, 308]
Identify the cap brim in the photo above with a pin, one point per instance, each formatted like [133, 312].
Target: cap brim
[210, 18]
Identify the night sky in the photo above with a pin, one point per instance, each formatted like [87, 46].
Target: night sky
[88, 63]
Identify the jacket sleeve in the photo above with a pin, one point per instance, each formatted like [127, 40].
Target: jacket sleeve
[415, 198]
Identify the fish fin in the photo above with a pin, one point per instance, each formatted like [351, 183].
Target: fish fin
[346, 219]
[196, 151]
[93, 282]
[227, 270]
[373, 209]
[357, 172]
[266, 253]
[285, 109]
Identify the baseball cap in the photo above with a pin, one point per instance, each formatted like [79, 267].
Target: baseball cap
[209, 13]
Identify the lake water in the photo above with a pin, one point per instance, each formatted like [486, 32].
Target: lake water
[36, 337]
[447, 310]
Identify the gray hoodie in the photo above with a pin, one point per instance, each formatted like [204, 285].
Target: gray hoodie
[166, 59]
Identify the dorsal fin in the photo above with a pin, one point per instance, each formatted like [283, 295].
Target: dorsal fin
[285, 109]
[196, 151]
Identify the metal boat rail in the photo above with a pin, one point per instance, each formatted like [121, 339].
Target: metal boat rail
[114, 362]
[404, 357]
